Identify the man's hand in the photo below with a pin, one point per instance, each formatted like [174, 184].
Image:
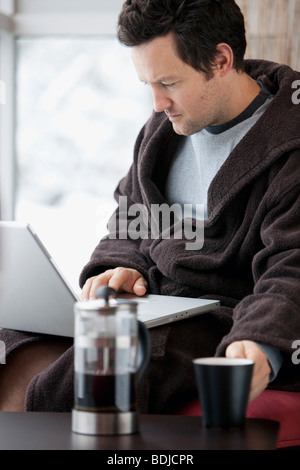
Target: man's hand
[261, 371]
[121, 279]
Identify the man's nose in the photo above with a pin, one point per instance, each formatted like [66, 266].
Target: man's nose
[160, 101]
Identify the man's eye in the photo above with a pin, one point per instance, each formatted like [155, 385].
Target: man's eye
[168, 85]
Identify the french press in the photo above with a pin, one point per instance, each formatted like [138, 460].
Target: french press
[111, 352]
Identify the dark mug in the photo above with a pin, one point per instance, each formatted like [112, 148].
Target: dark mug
[223, 386]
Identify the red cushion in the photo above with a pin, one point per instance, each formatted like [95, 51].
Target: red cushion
[283, 407]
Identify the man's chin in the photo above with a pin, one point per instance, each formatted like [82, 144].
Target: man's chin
[186, 130]
[180, 130]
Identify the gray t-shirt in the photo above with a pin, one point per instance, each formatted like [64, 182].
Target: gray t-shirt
[199, 158]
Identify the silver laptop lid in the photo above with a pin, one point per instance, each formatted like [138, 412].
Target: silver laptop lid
[35, 296]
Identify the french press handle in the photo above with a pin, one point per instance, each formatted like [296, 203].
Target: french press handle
[144, 340]
[144, 349]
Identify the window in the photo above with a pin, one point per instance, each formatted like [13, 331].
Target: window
[6, 7]
[79, 108]
[6, 121]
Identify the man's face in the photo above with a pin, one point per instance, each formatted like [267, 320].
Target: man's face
[188, 98]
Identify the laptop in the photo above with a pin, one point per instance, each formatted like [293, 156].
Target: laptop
[35, 296]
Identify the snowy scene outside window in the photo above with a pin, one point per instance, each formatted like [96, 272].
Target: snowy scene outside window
[79, 108]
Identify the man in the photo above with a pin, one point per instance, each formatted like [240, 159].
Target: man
[225, 134]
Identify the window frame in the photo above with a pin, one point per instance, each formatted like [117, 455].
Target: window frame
[7, 118]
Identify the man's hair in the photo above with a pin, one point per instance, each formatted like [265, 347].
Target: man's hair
[198, 26]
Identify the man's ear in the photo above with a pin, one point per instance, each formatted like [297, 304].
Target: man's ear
[223, 62]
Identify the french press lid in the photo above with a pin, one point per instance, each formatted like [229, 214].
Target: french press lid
[107, 302]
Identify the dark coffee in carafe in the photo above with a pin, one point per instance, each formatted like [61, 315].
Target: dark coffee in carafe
[112, 393]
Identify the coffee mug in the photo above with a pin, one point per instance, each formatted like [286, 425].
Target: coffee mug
[223, 386]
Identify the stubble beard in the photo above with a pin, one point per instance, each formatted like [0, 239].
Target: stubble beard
[188, 128]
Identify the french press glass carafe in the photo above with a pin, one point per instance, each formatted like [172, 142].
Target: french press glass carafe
[112, 350]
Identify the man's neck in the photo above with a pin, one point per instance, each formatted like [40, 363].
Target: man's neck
[241, 91]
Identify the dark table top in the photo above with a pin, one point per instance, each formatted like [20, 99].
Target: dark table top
[52, 431]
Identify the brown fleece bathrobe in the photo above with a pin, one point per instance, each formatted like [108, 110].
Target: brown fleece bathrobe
[250, 259]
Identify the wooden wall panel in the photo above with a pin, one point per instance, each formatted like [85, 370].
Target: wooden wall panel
[273, 30]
